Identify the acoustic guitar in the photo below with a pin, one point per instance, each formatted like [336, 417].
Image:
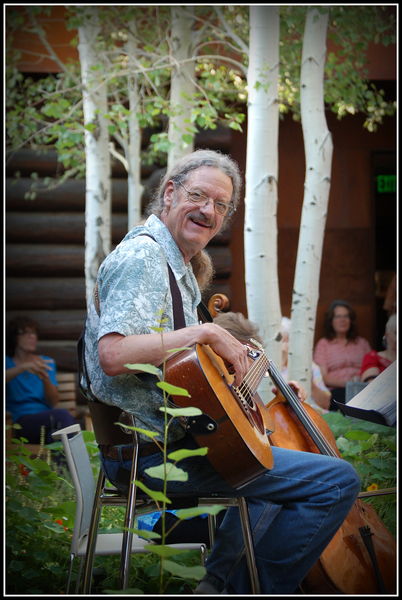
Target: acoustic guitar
[234, 425]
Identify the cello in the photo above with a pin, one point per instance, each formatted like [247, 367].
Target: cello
[361, 557]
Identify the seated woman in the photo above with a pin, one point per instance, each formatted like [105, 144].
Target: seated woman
[374, 362]
[31, 384]
[340, 351]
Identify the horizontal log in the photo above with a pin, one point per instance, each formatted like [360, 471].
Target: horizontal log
[28, 161]
[64, 324]
[45, 163]
[55, 228]
[50, 260]
[53, 293]
[46, 260]
[64, 353]
[69, 196]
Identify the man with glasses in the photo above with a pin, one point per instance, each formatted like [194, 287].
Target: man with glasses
[296, 507]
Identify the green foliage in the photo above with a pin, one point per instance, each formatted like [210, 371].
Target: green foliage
[347, 90]
[371, 449]
[46, 111]
[38, 526]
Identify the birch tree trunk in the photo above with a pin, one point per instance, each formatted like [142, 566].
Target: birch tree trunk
[97, 193]
[182, 85]
[133, 155]
[318, 151]
[261, 198]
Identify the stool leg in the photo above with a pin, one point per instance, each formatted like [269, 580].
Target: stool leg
[211, 529]
[128, 524]
[249, 546]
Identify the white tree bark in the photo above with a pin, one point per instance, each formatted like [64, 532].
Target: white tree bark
[182, 85]
[318, 151]
[261, 197]
[98, 196]
[134, 144]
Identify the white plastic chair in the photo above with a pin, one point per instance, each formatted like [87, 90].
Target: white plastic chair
[90, 498]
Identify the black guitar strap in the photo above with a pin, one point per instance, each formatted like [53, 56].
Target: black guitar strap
[178, 323]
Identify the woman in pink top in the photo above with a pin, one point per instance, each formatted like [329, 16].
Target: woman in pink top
[340, 352]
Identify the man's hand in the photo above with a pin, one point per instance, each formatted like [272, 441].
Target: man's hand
[233, 352]
[297, 388]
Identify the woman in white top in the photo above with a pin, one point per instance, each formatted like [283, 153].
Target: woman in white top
[320, 395]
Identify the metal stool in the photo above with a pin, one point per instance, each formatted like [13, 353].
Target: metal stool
[106, 432]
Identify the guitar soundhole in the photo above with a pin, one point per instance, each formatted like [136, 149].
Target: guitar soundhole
[248, 405]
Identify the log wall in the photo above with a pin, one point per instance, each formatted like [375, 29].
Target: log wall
[45, 248]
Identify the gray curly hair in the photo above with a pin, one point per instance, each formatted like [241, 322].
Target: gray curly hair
[190, 162]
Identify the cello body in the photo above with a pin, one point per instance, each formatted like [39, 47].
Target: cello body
[361, 557]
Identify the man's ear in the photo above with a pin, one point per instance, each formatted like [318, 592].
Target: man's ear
[168, 195]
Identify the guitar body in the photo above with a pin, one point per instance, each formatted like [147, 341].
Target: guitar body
[239, 448]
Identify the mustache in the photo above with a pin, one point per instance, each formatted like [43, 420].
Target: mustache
[201, 218]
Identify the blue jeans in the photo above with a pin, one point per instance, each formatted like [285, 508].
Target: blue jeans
[295, 509]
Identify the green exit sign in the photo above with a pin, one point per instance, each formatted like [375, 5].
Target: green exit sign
[386, 184]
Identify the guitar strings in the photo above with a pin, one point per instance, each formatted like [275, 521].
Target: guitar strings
[249, 385]
[251, 382]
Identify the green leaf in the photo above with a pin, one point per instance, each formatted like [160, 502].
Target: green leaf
[358, 435]
[172, 389]
[196, 511]
[196, 572]
[187, 138]
[145, 533]
[143, 367]
[164, 550]
[147, 432]
[180, 454]
[157, 496]
[187, 411]
[171, 473]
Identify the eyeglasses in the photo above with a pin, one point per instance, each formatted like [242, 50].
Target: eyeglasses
[221, 208]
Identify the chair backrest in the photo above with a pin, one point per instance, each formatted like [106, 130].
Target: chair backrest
[82, 476]
[104, 419]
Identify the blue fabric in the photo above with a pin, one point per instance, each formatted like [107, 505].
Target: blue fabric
[25, 394]
[295, 509]
[51, 420]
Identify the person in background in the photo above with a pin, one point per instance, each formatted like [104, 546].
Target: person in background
[241, 328]
[320, 398]
[374, 362]
[339, 353]
[31, 384]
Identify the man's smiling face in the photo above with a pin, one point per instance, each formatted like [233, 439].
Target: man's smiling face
[193, 225]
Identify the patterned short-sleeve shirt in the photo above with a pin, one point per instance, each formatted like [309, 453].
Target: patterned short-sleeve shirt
[134, 297]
